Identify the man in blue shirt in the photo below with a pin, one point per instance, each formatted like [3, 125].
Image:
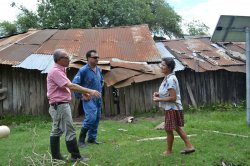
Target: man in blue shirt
[90, 76]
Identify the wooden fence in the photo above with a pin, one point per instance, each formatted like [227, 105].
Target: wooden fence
[24, 92]
[205, 88]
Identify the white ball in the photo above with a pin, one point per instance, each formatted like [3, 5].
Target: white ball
[4, 131]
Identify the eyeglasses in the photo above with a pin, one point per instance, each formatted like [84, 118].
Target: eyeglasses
[96, 57]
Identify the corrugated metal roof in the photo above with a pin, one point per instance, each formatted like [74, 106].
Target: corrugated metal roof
[165, 53]
[71, 46]
[128, 74]
[5, 42]
[200, 55]
[138, 67]
[16, 53]
[39, 37]
[78, 66]
[119, 74]
[132, 43]
[140, 77]
[236, 49]
[38, 62]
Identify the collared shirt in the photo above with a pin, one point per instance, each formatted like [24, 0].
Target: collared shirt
[170, 82]
[56, 81]
[87, 78]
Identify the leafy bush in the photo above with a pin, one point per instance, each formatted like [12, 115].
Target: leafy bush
[218, 107]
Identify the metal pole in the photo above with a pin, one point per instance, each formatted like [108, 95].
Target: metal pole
[248, 73]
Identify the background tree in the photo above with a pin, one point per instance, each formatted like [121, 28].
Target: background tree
[197, 27]
[7, 28]
[26, 20]
[64, 14]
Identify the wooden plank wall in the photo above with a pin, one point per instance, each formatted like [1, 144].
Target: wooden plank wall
[213, 87]
[133, 99]
[208, 87]
[26, 92]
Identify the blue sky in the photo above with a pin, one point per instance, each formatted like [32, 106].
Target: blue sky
[207, 11]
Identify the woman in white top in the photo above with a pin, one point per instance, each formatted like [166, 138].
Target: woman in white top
[169, 99]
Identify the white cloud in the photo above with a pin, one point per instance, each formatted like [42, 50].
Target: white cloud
[9, 13]
[210, 11]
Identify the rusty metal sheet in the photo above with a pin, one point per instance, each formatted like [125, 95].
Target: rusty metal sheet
[78, 66]
[146, 77]
[137, 79]
[69, 34]
[75, 65]
[241, 69]
[105, 67]
[141, 77]
[5, 42]
[71, 46]
[177, 46]
[235, 47]
[124, 83]
[134, 66]
[39, 37]
[119, 74]
[196, 45]
[48, 47]
[199, 55]
[132, 43]
[16, 53]
[195, 65]
[220, 58]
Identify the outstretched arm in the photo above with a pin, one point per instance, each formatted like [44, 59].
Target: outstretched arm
[78, 88]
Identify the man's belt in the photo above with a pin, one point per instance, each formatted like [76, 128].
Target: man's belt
[57, 104]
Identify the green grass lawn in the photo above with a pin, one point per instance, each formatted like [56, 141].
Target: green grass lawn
[28, 143]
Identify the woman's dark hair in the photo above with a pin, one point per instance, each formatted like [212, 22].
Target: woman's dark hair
[88, 54]
[170, 63]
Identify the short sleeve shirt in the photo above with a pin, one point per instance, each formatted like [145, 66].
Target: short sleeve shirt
[56, 81]
[170, 82]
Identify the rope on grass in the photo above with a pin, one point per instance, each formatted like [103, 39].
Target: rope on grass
[163, 138]
[231, 134]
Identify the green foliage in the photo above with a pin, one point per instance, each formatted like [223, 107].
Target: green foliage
[64, 14]
[197, 27]
[7, 28]
[218, 107]
[26, 20]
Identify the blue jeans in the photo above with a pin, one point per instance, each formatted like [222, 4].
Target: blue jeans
[91, 122]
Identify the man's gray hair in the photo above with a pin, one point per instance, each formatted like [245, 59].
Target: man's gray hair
[58, 53]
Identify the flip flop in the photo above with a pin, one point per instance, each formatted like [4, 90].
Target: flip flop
[187, 151]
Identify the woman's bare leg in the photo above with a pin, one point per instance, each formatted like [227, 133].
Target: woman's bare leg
[184, 137]
[170, 140]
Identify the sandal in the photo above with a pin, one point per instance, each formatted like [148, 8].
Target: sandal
[187, 151]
